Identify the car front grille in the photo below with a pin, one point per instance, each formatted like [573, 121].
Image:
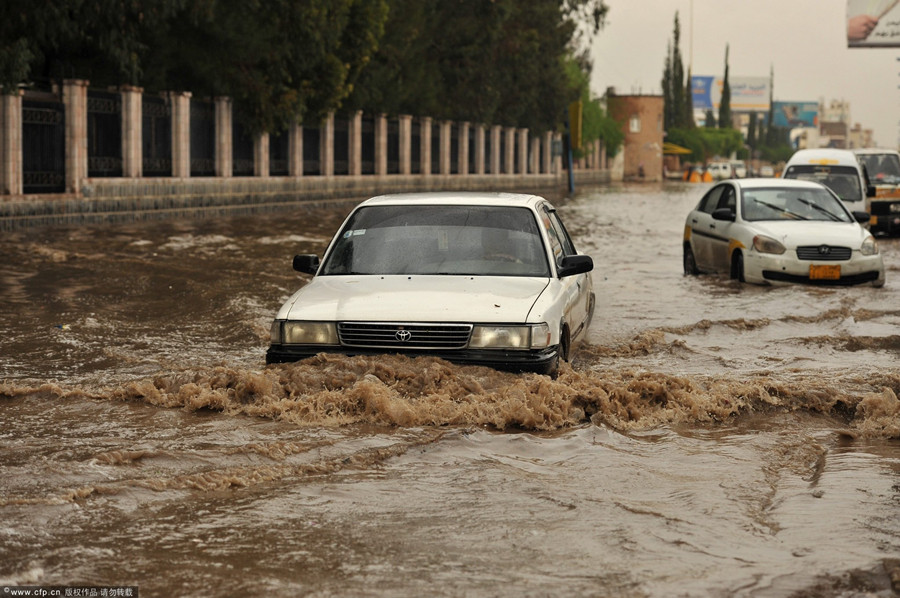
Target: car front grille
[824, 253]
[378, 335]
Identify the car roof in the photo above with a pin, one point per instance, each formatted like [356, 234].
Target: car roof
[458, 198]
[823, 156]
[770, 183]
[875, 150]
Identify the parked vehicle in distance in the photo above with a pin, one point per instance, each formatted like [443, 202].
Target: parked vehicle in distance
[766, 170]
[720, 170]
[483, 278]
[839, 170]
[883, 168]
[739, 168]
[776, 231]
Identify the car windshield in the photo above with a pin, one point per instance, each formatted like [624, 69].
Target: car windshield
[882, 168]
[843, 180]
[471, 240]
[780, 203]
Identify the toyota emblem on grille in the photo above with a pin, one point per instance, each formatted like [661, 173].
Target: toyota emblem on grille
[403, 336]
[824, 250]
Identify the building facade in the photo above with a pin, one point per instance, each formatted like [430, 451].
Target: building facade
[641, 117]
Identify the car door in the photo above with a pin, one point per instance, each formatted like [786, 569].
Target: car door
[702, 225]
[720, 230]
[577, 288]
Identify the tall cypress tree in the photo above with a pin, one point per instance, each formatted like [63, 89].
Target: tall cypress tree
[725, 103]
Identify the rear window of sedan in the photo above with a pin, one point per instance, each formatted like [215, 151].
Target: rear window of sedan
[444, 240]
[792, 204]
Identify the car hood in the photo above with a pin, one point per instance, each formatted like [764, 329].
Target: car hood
[793, 234]
[415, 299]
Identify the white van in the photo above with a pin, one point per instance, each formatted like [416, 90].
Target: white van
[883, 168]
[839, 170]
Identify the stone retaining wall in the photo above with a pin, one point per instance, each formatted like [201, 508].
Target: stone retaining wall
[128, 200]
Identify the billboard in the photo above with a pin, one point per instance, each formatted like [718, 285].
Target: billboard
[873, 23]
[791, 115]
[748, 94]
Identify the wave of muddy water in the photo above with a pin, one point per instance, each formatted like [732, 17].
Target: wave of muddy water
[711, 438]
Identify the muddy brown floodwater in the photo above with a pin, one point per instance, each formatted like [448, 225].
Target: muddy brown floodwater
[711, 439]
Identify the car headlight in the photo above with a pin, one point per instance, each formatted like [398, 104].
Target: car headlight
[764, 244]
[534, 336]
[869, 246]
[304, 333]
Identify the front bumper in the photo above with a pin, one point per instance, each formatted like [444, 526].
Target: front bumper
[773, 269]
[541, 361]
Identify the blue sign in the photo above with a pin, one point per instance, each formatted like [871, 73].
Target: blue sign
[702, 92]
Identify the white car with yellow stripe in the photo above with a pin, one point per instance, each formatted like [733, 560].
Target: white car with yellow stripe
[775, 231]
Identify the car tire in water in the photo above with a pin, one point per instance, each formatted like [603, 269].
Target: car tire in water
[737, 266]
[690, 263]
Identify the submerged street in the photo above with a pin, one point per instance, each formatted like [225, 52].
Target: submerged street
[711, 438]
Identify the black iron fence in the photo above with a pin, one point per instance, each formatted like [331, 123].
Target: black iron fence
[203, 138]
[156, 141]
[43, 145]
[104, 123]
[241, 150]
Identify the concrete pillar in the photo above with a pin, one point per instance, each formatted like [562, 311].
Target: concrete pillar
[224, 138]
[11, 143]
[479, 149]
[496, 130]
[509, 160]
[425, 145]
[132, 132]
[381, 144]
[75, 101]
[181, 133]
[446, 134]
[295, 150]
[261, 155]
[463, 156]
[326, 146]
[522, 166]
[547, 160]
[405, 132]
[534, 160]
[354, 130]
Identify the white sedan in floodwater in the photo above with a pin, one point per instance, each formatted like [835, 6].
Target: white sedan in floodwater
[770, 231]
[485, 278]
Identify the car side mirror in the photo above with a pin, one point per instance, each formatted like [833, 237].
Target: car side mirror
[308, 264]
[861, 217]
[575, 264]
[724, 214]
[871, 191]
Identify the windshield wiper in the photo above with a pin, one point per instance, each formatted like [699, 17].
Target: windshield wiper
[819, 208]
[780, 209]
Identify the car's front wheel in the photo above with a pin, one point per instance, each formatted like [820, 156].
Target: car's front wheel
[737, 266]
[690, 263]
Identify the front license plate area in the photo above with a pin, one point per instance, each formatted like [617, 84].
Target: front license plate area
[828, 272]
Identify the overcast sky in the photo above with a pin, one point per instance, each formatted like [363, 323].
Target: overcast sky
[804, 41]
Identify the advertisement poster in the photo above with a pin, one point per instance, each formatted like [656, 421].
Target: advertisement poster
[791, 115]
[873, 23]
[748, 94]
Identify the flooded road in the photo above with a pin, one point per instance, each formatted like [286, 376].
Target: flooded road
[711, 439]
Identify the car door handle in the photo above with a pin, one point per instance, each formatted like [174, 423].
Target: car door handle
[712, 226]
[694, 221]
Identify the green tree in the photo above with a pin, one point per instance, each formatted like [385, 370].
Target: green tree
[688, 117]
[674, 90]
[499, 62]
[725, 102]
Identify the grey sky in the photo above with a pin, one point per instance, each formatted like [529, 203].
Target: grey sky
[805, 41]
